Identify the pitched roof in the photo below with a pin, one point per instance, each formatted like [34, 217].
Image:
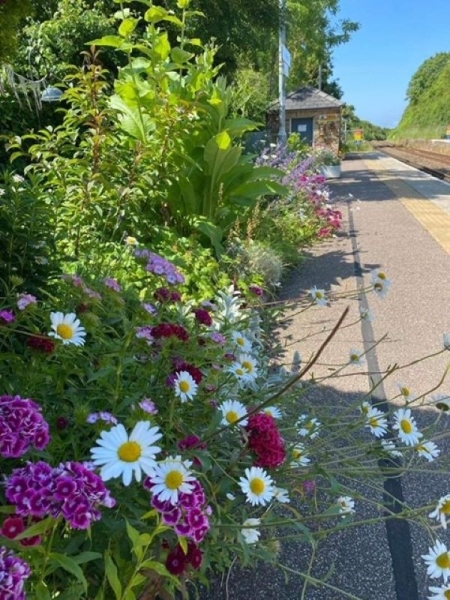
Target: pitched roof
[308, 98]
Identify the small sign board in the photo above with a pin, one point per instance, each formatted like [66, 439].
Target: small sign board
[358, 135]
[447, 133]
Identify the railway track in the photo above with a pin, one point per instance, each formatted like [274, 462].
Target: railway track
[433, 163]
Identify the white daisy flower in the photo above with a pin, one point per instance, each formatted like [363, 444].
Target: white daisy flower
[428, 450]
[406, 427]
[300, 456]
[273, 411]
[438, 561]
[257, 485]
[357, 357]
[442, 510]
[440, 593]
[308, 427]
[232, 411]
[447, 341]
[250, 365]
[230, 496]
[441, 401]
[365, 407]
[376, 422]
[391, 448]
[67, 328]
[406, 392]
[171, 477]
[121, 455]
[346, 505]
[185, 386]
[251, 536]
[318, 296]
[240, 372]
[282, 495]
[381, 282]
[242, 341]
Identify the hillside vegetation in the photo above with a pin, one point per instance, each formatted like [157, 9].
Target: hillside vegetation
[428, 93]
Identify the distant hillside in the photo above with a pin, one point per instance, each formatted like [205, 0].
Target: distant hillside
[428, 111]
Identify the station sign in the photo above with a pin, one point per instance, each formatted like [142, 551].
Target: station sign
[358, 135]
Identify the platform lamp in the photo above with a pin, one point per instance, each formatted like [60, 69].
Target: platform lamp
[51, 94]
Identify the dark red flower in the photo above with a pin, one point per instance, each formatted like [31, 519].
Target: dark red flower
[41, 343]
[194, 556]
[181, 365]
[265, 441]
[176, 561]
[202, 316]
[165, 330]
[12, 526]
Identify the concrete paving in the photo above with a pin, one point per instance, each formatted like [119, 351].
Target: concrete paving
[397, 218]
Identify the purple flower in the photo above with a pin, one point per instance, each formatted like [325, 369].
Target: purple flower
[148, 406]
[160, 266]
[258, 291]
[25, 300]
[7, 316]
[21, 426]
[13, 572]
[173, 517]
[112, 284]
[150, 308]
[218, 338]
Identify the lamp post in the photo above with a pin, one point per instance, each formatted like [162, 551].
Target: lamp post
[281, 77]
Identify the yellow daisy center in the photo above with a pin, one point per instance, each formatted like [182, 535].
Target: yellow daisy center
[240, 341]
[296, 453]
[405, 391]
[445, 508]
[65, 331]
[309, 425]
[130, 452]
[354, 357]
[240, 372]
[269, 412]
[382, 275]
[174, 479]
[443, 560]
[406, 425]
[257, 485]
[319, 295]
[248, 365]
[184, 386]
[231, 416]
[374, 422]
[447, 594]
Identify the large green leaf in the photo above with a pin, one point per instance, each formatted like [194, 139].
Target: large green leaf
[69, 565]
[133, 121]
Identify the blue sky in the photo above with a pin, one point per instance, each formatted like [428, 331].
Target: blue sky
[394, 39]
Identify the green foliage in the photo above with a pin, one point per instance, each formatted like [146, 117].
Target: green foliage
[250, 93]
[12, 14]
[428, 112]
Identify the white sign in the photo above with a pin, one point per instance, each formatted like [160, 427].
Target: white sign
[286, 57]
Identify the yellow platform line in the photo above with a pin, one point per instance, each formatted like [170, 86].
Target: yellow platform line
[435, 220]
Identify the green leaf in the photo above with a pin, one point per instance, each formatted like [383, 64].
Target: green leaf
[157, 13]
[162, 46]
[69, 565]
[133, 122]
[41, 592]
[183, 543]
[114, 41]
[180, 56]
[214, 233]
[36, 529]
[111, 574]
[127, 27]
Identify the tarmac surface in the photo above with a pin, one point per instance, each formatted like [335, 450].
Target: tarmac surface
[398, 219]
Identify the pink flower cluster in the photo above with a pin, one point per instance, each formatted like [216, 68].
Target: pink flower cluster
[70, 490]
[265, 441]
[21, 426]
[163, 294]
[331, 215]
[160, 266]
[13, 572]
[189, 517]
[177, 561]
[165, 330]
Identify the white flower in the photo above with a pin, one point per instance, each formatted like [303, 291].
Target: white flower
[300, 456]
[273, 411]
[442, 510]
[440, 593]
[428, 450]
[251, 536]
[357, 357]
[381, 283]
[406, 392]
[391, 448]
[232, 411]
[257, 485]
[376, 422]
[121, 455]
[318, 296]
[171, 477]
[230, 496]
[67, 328]
[406, 426]
[241, 373]
[131, 241]
[18, 178]
[185, 386]
[282, 495]
[365, 407]
[438, 561]
[41, 260]
[242, 341]
[250, 365]
[447, 341]
[308, 427]
[346, 505]
[442, 402]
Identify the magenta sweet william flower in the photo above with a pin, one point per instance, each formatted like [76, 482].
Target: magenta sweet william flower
[13, 526]
[203, 317]
[13, 573]
[21, 426]
[255, 289]
[70, 490]
[42, 344]
[177, 561]
[265, 440]
[167, 330]
[165, 295]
